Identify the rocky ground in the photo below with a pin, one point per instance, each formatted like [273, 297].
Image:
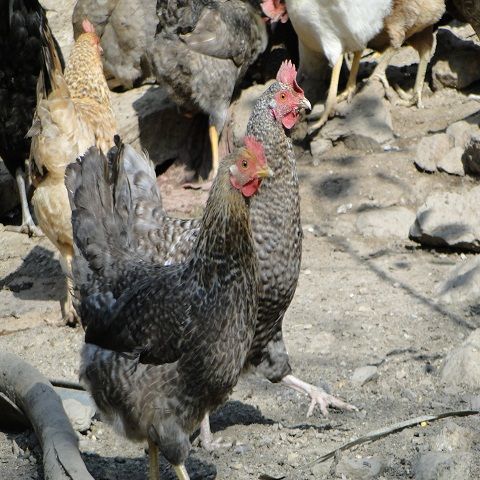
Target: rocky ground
[378, 319]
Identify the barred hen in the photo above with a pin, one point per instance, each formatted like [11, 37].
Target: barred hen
[201, 50]
[276, 231]
[163, 344]
[72, 115]
[21, 22]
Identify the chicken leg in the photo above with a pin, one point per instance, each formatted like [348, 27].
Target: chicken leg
[153, 467]
[206, 436]
[331, 97]
[213, 134]
[318, 396]
[347, 94]
[28, 226]
[423, 43]
[379, 72]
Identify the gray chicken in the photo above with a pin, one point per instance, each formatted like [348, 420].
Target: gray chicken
[276, 230]
[163, 344]
[201, 50]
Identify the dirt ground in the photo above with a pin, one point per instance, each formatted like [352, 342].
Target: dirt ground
[360, 301]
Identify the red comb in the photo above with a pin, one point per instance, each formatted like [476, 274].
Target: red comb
[255, 147]
[88, 26]
[287, 74]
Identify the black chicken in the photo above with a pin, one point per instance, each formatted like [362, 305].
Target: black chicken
[163, 344]
[201, 50]
[20, 66]
[276, 231]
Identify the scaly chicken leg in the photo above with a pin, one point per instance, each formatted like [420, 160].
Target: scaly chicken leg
[213, 134]
[206, 436]
[347, 94]
[318, 396]
[331, 97]
[28, 226]
[423, 43]
[153, 467]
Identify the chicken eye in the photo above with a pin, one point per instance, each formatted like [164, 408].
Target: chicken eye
[244, 164]
[283, 96]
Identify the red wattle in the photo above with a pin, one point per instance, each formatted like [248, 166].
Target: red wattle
[251, 187]
[289, 120]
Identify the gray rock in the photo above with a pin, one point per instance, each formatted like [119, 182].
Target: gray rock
[456, 63]
[462, 365]
[365, 374]
[462, 284]
[449, 220]
[385, 222]
[452, 438]
[360, 468]
[80, 415]
[471, 156]
[431, 150]
[452, 162]
[319, 146]
[9, 198]
[365, 123]
[461, 132]
[443, 466]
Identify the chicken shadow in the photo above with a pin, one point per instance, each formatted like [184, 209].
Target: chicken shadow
[237, 413]
[39, 277]
[137, 468]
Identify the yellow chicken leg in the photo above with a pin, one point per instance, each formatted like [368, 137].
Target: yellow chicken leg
[213, 134]
[332, 95]
[347, 94]
[153, 467]
[181, 472]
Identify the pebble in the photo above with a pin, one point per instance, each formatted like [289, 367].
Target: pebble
[443, 466]
[360, 468]
[365, 374]
[80, 415]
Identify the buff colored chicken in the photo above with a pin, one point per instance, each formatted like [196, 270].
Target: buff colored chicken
[73, 113]
[411, 21]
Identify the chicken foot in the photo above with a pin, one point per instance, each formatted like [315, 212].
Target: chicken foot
[423, 43]
[28, 226]
[154, 468]
[319, 397]
[206, 437]
[331, 97]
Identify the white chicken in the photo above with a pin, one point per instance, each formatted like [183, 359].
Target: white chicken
[332, 27]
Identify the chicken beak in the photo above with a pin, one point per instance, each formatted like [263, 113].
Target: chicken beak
[305, 104]
[265, 172]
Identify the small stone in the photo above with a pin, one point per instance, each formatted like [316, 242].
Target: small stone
[360, 468]
[430, 150]
[461, 132]
[462, 284]
[453, 437]
[80, 415]
[462, 365]
[364, 124]
[471, 155]
[452, 162]
[342, 209]
[236, 466]
[365, 374]
[292, 459]
[443, 466]
[385, 222]
[319, 146]
[449, 219]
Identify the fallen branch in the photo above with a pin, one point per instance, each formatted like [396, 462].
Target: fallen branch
[377, 434]
[33, 394]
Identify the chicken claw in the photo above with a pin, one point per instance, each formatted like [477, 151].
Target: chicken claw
[319, 396]
[206, 437]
